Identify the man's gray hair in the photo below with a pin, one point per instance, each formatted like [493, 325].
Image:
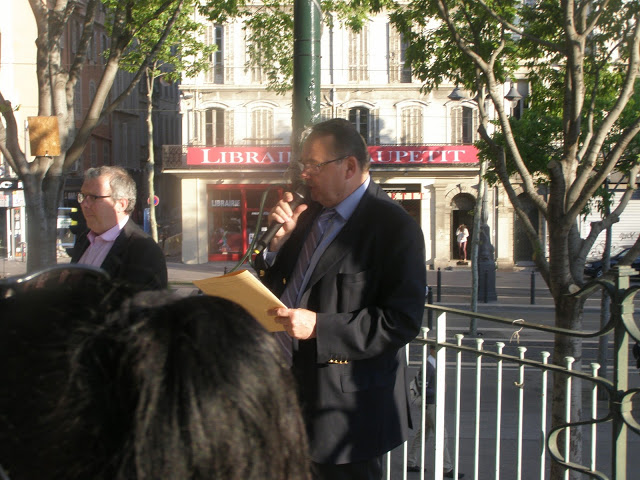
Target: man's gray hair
[121, 183]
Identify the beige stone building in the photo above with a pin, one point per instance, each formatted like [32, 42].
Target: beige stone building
[236, 135]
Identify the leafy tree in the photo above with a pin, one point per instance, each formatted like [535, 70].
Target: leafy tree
[181, 54]
[128, 23]
[582, 60]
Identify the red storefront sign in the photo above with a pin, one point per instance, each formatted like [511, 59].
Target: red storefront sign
[405, 195]
[388, 155]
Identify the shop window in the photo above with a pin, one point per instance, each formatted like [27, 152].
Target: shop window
[225, 221]
[233, 213]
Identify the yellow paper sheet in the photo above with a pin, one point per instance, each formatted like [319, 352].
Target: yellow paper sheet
[246, 290]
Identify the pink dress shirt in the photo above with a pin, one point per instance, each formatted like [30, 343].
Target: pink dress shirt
[101, 244]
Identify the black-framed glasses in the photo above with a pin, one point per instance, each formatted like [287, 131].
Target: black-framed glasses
[88, 196]
[314, 168]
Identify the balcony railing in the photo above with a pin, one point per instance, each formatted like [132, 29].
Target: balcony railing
[498, 398]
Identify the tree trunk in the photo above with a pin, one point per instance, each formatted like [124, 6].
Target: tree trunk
[150, 168]
[568, 315]
[475, 241]
[42, 198]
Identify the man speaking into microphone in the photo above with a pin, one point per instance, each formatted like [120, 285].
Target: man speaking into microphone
[350, 267]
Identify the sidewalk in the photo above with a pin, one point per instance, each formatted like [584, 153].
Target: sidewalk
[513, 286]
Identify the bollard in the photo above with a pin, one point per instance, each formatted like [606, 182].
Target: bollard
[485, 290]
[533, 287]
[225, 270]
[439, 286]
[430, 311]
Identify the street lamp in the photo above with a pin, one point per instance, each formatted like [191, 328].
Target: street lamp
[513, 96]
[457, 94]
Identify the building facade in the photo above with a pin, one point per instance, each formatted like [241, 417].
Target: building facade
[20, 87]
[237, 135]
[119, 139]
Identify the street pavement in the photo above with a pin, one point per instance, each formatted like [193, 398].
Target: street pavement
[514, 301]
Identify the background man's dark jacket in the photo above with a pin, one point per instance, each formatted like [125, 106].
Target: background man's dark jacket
[135, 258]
[368, 292]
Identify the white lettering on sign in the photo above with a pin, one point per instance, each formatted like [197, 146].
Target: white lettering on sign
[396, 155]
[225, 203]
[405, 195]
[11, 185]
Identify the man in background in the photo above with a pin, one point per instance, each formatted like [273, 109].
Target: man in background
[350, 268]
[113, 241]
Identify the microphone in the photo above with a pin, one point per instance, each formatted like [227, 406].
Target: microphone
[299, 197]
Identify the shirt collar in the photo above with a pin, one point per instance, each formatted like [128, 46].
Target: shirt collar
[348, 205]
[111, 234]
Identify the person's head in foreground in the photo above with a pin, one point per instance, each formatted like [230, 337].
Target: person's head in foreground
[100, 385]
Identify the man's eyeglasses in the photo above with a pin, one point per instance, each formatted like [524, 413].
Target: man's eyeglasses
[92, 198]
[314, 168]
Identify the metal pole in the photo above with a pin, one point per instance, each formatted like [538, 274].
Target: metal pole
[485, 290]
[306, 68]
[430, 311]
[533, 287]
[622, 309]
[439, 286]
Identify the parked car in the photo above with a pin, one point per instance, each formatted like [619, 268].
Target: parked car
[593, 267]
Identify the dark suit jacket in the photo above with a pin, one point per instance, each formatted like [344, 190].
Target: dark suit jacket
[368, 291]
[134, 259]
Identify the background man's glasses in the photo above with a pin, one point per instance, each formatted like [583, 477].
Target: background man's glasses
[314, 168]
[92, 198]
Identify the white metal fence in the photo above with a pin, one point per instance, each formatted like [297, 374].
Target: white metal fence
[498, 398]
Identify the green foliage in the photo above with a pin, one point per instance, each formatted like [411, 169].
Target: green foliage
[269, 31]
[271, 52]
[435, 58]
[181, 53]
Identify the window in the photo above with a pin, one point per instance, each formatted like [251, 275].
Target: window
[359, 117]
[92, 90]
[77, 99]
[104, 48]
[467, 125]
[213, 127]
[464, 125]
[124, 141]
[262, 126]
[94, 153]
[106, 153]
[91, 51]
[214, 36]
[398, 71]
[358, 55]
[411, 125]
[257, 72]
[75, 36]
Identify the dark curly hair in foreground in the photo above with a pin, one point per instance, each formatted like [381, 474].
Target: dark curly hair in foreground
[155, 387]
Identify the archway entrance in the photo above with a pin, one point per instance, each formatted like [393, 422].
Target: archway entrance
[462, 207]
[522, 249]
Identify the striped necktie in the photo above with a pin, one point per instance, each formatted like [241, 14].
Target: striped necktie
[295, 282]
[313, 239]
